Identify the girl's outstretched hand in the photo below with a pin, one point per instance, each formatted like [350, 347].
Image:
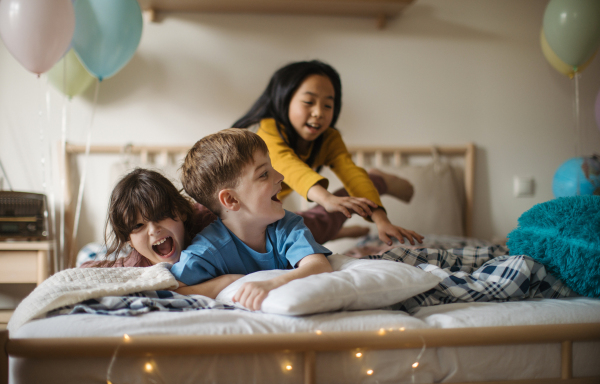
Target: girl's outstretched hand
[349, 205]
[388, 230]
[344, 204]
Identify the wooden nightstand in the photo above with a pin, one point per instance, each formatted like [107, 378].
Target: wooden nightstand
[22, 262]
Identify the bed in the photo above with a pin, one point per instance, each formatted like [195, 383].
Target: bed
[539, 340]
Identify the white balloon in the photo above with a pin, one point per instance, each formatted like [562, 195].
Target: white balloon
[37, 32]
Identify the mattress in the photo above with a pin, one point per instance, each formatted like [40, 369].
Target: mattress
[456, 364]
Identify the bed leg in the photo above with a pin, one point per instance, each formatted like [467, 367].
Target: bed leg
[567, 360]
[309, 367]
[3, 357]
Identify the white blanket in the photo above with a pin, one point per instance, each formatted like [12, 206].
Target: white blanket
[72, 286]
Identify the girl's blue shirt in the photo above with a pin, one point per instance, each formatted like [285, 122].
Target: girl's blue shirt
[217, 251]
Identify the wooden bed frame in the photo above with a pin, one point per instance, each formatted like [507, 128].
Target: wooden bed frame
[306, 343]
[310, 343]
[375, 156]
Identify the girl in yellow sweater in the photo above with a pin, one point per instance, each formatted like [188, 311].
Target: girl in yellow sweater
[296, 115]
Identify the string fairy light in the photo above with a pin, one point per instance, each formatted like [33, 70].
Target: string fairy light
[126, 339]
[382, 332]
[148, 368]
[110, 365]
[288, 367]
[415, 365]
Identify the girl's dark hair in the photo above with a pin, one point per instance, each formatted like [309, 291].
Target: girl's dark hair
[275, 100]
[149, 194]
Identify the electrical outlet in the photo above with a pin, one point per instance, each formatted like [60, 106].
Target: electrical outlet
[523, 186]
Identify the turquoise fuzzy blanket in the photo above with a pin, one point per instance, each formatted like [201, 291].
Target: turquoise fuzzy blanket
[564, 235]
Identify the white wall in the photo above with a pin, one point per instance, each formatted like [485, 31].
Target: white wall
[446, 72]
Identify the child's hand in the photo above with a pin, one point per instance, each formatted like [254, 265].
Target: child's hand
[252, 294]
[387, 230]
[345, 204]
[348, 205]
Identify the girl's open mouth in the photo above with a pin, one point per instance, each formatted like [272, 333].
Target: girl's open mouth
[313, 127]
[164, 248]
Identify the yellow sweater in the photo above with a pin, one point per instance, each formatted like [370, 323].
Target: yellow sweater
[300, 177]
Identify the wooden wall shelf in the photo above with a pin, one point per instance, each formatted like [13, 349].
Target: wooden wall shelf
[381, 10]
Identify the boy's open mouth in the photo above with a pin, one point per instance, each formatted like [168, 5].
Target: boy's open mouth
[274, 197]
[164, 247]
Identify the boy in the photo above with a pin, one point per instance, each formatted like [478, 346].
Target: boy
[230, 173]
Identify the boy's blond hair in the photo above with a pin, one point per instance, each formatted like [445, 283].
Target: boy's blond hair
[216, 162]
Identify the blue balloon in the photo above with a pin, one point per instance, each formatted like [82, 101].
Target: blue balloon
[107, 33]
[577, 176]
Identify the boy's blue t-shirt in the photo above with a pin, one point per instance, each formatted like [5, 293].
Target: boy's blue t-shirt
[217, 251]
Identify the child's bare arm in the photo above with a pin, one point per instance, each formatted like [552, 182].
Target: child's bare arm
[210, 288]
[252, 294]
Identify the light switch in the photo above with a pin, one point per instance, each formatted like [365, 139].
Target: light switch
[523, 186]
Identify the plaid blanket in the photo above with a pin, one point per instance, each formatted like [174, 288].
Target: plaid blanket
[372, 245]
[141, 302]
[469, 274]
[473, 274]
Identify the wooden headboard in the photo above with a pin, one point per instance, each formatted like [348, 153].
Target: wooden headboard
[374, 156]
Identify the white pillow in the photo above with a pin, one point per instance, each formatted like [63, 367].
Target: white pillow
[354, 284]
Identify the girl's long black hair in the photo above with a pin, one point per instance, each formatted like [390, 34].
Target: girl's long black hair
[275, 100]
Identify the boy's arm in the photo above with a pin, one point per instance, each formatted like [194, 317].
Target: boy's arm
[210, 288]
[252, 294]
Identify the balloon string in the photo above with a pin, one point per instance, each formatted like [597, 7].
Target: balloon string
[63, 151]
[576, 117]
[84, 171]
[44, 155]
[5, 177]
[50, 189]
[41, 130]
[59, 260]
[578, 151]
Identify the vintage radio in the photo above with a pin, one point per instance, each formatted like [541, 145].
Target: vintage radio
[23, 216]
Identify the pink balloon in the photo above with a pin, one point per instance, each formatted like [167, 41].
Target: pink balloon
[37, 32]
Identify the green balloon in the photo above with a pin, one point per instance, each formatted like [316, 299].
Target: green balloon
[78, 78]
[572, 29]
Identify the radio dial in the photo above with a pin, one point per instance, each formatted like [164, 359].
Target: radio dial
[31, 227]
